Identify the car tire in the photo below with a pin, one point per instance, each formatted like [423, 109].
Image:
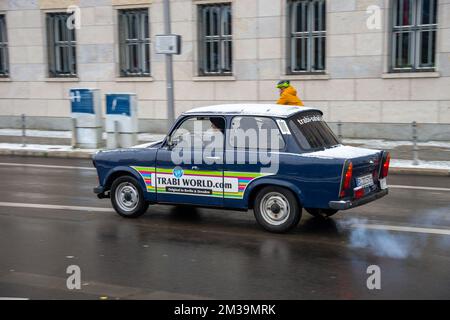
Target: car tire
[317, 212]
[277, 209]
[127, 197]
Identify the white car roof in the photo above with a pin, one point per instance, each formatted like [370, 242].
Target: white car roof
[275, 110]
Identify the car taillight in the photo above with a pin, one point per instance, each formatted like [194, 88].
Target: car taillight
[358, 193]
[347, 178]
[385, 165]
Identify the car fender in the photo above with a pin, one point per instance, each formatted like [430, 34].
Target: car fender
[272, 181]
[125, 170]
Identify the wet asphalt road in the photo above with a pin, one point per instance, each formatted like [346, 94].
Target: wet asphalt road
[182, 253]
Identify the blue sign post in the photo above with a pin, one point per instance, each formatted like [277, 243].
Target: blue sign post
[86, 115]
[82, 101]
[121, 120]
[118, 104]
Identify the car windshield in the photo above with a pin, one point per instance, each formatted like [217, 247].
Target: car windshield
[311, 131]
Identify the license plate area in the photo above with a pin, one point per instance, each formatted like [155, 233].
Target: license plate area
[364, 181]
[383, 184]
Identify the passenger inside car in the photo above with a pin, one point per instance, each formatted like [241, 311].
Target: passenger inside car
[217, 124]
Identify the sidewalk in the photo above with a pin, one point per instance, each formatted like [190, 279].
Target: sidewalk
[434, 155]
[61, 138]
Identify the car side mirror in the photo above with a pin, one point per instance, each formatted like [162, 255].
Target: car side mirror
[170, 143]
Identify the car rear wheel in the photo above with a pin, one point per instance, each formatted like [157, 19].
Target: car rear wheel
[277, 209]
[127, 197]
[317, 212]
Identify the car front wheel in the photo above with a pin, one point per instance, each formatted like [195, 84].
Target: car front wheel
[127, 197]
[277, 209]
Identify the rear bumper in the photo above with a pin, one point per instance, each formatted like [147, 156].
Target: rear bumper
[348, 204]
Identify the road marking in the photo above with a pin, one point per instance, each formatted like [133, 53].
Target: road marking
[30, 165]
[53, 207]
[97, 209]
[356, 226]
[418, 188]
[401, 229]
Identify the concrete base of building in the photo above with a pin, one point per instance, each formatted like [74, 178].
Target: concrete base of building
[121, 140]
[393, 131]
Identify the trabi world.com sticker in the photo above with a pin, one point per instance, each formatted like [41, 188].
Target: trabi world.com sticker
[177, 172]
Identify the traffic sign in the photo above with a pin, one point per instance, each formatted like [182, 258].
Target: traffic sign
[168, 44]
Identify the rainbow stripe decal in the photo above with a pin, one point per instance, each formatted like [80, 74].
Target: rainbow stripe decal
[231, 185]
[148, 174]
[243, 179]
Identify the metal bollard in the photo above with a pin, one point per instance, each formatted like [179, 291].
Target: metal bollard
[74, 133]
[24, 130]
[339, 128]
[415, 148]
[116, 134]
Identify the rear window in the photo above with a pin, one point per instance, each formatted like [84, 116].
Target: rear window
[311, 131]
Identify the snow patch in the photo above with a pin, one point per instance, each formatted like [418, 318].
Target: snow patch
[36, 133]
[389, 144]
[341, 152]
[42, 147]
[274, 110]
[146, 145]
[68, 134]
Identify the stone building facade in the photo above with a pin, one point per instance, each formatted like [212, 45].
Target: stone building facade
[355, 85]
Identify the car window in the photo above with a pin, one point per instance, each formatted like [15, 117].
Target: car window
[199, 131]
[311, 131]
[255, 133]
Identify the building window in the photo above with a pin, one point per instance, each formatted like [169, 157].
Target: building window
[414, 27]
[307, 35]
[134, 39]
[61, 42]
[216, 44]
[4, 63]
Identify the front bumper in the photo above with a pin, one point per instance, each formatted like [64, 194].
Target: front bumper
[99, 189]
[348, 204]
[101, 193]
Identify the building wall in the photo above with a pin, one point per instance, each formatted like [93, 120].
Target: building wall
[356, 87]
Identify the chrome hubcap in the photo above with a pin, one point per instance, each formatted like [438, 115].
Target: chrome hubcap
[127, 196]
[275, 208]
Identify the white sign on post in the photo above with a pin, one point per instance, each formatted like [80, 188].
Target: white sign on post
[168, 44]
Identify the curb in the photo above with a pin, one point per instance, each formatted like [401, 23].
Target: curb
[419, 171]
[76, 154]
[48, 154]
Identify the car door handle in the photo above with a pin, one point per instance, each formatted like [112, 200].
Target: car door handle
[194, 168]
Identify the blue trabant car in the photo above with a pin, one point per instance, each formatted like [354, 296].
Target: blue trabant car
[303, 167]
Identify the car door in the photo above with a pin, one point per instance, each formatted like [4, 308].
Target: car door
[189, 166]
[254, 143]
